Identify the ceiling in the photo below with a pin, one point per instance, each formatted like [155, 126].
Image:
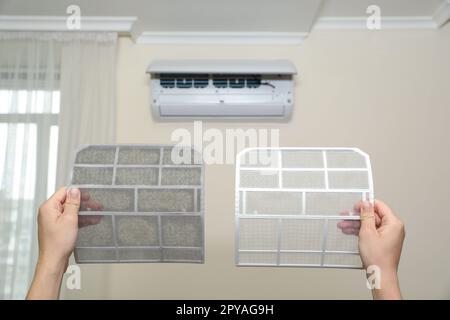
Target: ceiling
[223, 16]
[395, 8]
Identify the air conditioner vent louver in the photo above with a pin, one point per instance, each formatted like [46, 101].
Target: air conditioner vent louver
[236, 82]
[220, 81]
[254, 82]
[167, 81]
[186, 81]
[201, 81]
[222, 88]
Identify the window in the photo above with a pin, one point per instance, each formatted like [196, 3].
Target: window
[28, 152]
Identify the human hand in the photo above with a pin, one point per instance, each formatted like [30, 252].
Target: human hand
[381, 235]
[58, 222]
[380, 244]
[58, 226]
[57, 233]
[89, 204]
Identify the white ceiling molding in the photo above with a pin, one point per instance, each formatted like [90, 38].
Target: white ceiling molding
[222, 38]
[442, 14]
[439, 18]
[122, 25]
[386, 23]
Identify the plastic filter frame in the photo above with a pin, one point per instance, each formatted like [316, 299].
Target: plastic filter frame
[139, 203]
[289, 202]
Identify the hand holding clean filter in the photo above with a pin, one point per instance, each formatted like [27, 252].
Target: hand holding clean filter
[290, 210]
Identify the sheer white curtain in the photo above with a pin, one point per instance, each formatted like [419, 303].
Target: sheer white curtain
[88, 69]
[29, 81]
[52, 85]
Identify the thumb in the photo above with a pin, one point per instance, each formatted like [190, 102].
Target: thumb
[72, 203]
[367, 215]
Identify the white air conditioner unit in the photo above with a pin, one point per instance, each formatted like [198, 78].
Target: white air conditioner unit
[222, 88]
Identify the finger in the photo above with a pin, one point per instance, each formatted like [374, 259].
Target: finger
[85, 196]
[357, 209]
[367, 216]
[384, 212]
[58, 198]
[350, 231]
[377, 219]
[355, 224]
[383, 209]
[72, 203]
[84, 221]
[54, 205]
[349, 227]
[91, 205]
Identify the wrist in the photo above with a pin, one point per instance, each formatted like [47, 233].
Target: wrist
[389, 286]
[51, 266]
[47, 278]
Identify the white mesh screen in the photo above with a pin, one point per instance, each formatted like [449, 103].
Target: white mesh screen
[139, 203]
[290, 203]
[301, 234]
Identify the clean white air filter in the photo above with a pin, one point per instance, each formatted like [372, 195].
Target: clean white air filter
[289, 202]
[139, 203]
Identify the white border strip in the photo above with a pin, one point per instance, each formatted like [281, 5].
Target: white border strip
[59, 23]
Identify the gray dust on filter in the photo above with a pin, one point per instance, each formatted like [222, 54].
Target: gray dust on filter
[96, 155]
[166, 200]
[110, 199]
[87, 175]
[137, 231]
[139, 155]
[96, 231]
[139, 205]
[179, 156]
[174, 254]
[181, 231]
[138, 254]
[181, 176]
[137, 176]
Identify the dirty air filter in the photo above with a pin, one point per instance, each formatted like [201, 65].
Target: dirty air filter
[139, 204]
[289, 202]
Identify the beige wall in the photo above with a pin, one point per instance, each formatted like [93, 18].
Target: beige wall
[386, 92]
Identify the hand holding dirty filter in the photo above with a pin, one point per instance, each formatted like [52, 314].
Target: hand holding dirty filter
[139, 204]
[58, 227]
